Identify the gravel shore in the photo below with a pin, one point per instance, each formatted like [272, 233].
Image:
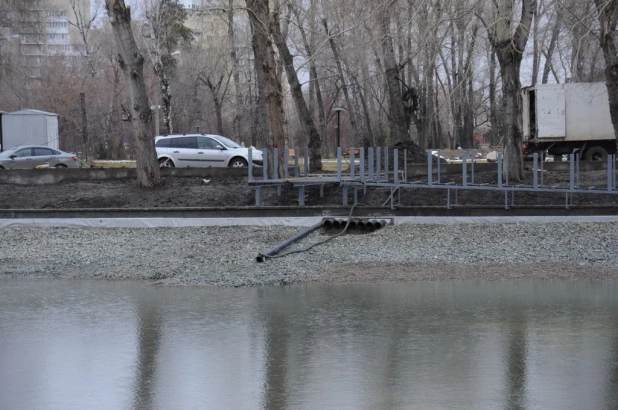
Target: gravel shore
[225, 256]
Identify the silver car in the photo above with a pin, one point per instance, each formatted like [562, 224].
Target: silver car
[32, 156]
[203, 150]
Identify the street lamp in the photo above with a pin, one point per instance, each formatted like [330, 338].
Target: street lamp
[339, 109]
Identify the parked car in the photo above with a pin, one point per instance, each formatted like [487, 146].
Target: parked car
[32, 156]
[203, 150]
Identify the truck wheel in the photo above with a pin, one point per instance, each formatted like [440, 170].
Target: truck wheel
[596, 153]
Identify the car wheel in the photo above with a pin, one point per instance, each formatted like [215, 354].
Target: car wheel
[238, 162]
[61, 166]
[596, 153]
[166, 163]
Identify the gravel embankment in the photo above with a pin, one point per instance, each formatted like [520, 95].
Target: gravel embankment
[225, 256]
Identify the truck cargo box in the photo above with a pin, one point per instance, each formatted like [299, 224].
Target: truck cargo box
[29, 127]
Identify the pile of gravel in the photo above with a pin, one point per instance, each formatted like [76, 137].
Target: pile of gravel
[225, 256]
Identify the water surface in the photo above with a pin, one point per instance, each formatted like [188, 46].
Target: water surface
[460, 345]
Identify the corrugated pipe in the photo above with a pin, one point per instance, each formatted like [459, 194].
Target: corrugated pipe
[273, 251]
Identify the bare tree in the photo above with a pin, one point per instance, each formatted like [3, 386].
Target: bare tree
[132, 63]
[509, 40]
[608, 17]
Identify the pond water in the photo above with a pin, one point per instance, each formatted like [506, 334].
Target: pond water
[460, 345]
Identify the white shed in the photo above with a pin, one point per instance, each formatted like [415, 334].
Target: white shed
[29, 127]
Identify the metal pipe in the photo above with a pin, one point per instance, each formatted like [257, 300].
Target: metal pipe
[273, 251]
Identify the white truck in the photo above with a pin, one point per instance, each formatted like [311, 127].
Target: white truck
[568, 118]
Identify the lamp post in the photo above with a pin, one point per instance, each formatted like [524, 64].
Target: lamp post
[339, 109]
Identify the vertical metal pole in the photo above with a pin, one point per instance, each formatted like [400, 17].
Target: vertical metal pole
[361, 167]
[439, 167]
[609, 172]
[286, 162]
[296, 167]
[355, 195]
[396, 166]
[448, 198]
[577, 170]
[542, 167]
[265, 164]
[571, 172]
[506, 170]
[378, 164]
[370, 165]
[306, 161]
[472, 167]
[301, 195]
[352, 162]
[276, 163]
[614, 169]
[345, 195]
[392, 201]
[258, 196]
[535, 172]
[339, 164]
[464, 168]
[405, 165]
[338, 129]
[386, 172]
[250, 160]
[429, 168]
[499, 170]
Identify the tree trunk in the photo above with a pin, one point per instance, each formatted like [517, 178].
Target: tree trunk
[510, 45]
[398, 122]
[315, 142]
[512, 104]
[493, 105]
[166, 96]
[344, 87]
[132, 63]
[238, 109]
[552, 46]
[82, 101]
[262, 45]
[608, 18]
[261, 125]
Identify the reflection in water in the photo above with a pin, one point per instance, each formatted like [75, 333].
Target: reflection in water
[516, 345]
[148, 340]
[516, 363]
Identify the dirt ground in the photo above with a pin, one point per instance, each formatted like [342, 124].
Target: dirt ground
[235, 192]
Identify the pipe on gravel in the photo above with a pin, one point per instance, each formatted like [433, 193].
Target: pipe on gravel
[273, 251]
[329, 222]
[353, 223]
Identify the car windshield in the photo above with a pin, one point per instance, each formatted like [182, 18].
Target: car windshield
[227, 142]
[7, 153]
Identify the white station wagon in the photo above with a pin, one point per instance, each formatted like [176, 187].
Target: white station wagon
[203, 150]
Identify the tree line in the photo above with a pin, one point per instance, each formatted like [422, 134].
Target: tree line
[269, 73]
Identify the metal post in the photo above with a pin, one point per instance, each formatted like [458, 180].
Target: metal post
[448, 198]
[250, 161]
[258, 196]
[429, 169]
[405, 165]
[339, 164]
[499, 170]
[338, 129]
[345, 195]
[265, 164]
[396, 166]
[370, 164]
[355, 195]
[439, 166]
[352, 162]
[286, 162]
[535, 174]
[609, 172]
[542, 167]
[361, 168]
[296, 167]
[577, 170]
[464, 168]
[506, 170]
[472, 166]
[386, 175]
[306, 161]
[276, 163]
[571, 172]
[301, 195]
[378, 164]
